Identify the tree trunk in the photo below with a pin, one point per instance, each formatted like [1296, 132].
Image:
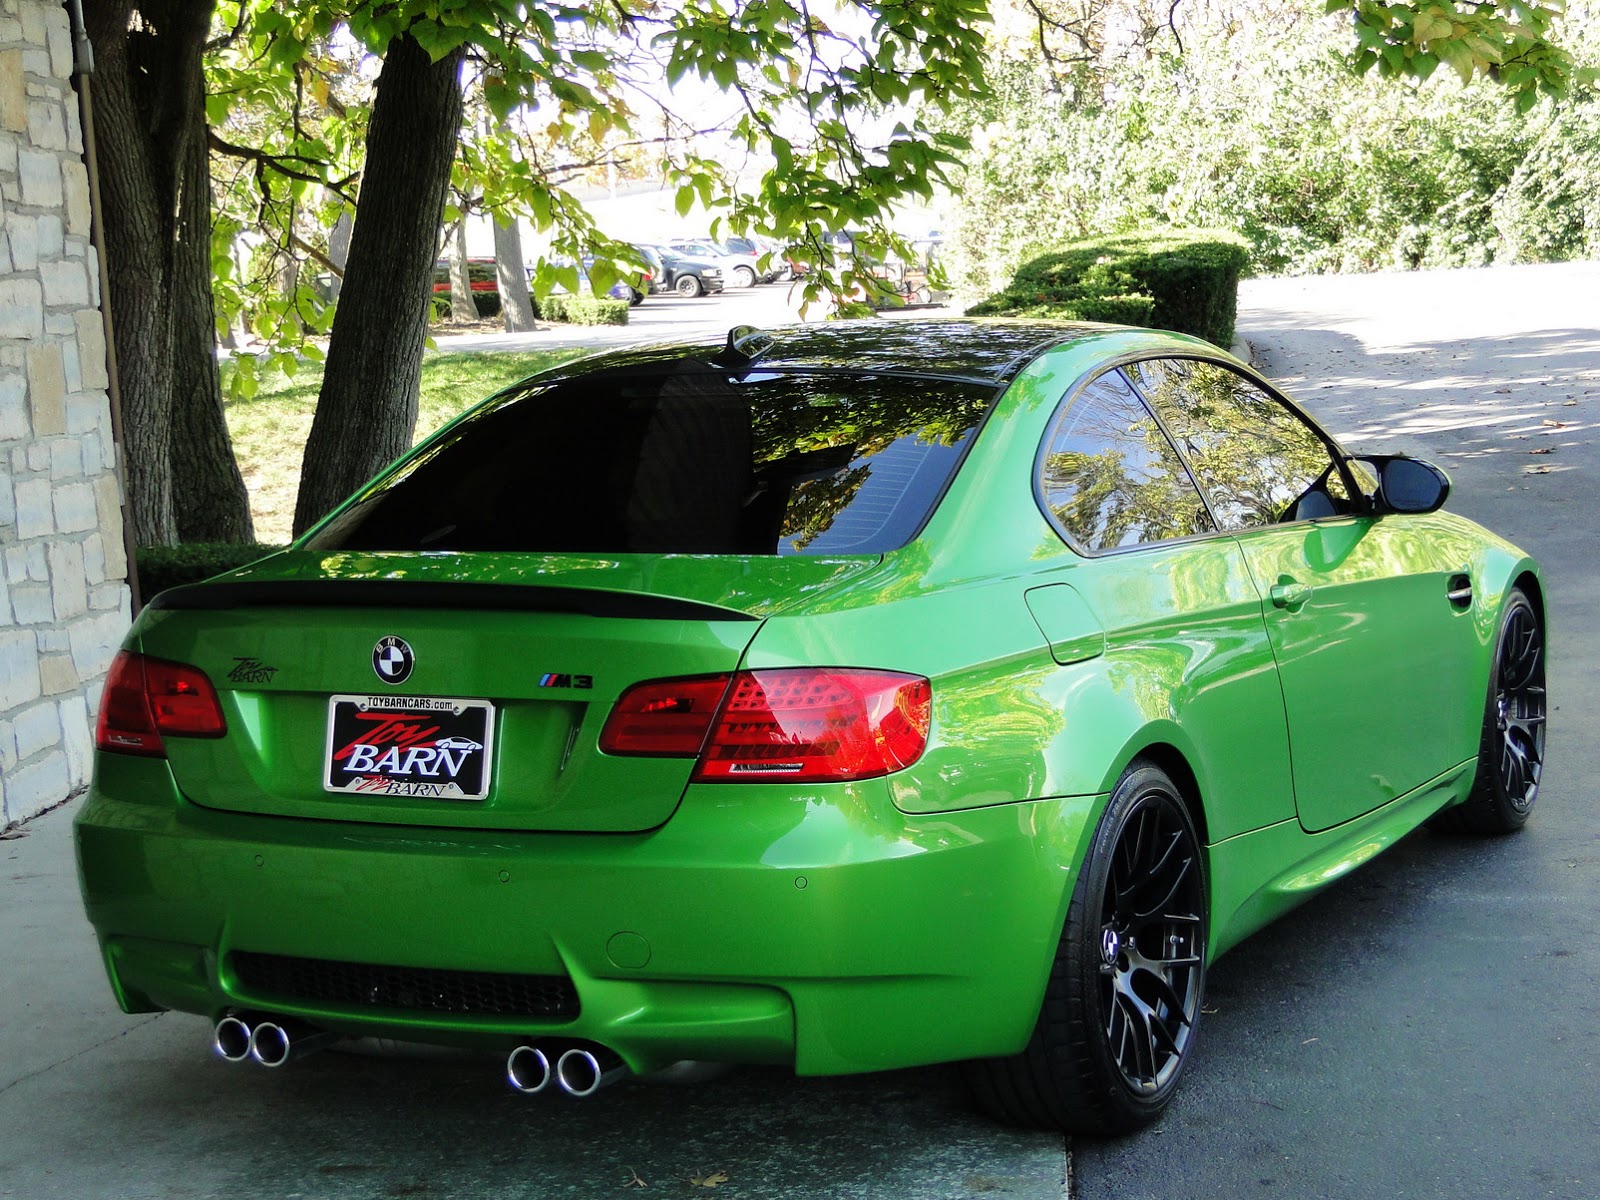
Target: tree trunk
[128, 125]
[339, 249]
[156, 196]
[463, 304]
[516, 306]
[367, 409]
[289, 272]
[209, 499]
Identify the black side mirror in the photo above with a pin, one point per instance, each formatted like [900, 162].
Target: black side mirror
[1407, 485]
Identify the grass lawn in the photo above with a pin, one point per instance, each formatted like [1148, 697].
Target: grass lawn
[270, 430]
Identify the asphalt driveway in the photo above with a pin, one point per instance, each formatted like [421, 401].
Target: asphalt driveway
[1424, 1029]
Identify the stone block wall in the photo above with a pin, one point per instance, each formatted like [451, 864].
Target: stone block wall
[64, 601]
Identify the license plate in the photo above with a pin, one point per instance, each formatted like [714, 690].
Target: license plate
[424, 746]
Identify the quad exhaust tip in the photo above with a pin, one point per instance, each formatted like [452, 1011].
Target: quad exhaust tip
[273, 1042]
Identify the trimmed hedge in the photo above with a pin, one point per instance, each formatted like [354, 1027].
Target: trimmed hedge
[584, 310]
[163, 567]
[1181, 279]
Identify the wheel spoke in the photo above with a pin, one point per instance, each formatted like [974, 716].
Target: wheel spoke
[1178, 878]
[1514, 769]
[1171, 999]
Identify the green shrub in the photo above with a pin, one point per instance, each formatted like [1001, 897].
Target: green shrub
[1181, 279]
[584, 310]
[163, 567]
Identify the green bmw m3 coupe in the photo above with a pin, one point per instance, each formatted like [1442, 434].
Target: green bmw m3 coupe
[845, 697]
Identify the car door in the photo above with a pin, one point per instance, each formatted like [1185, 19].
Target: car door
[1364, 611]
[1183, 642]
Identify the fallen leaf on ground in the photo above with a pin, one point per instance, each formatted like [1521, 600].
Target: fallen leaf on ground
[711, 1180]
[634, 1180]
[1543, 450]
[1554, 424]
[11, 835]
[1536, 470]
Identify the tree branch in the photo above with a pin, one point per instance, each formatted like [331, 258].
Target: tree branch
[311, 250]
[280, 164]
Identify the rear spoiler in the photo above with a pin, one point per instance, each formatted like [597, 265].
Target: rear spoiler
[481, 597]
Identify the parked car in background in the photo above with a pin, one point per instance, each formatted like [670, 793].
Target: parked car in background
[779, 266]
[481, 276]
[684, 274]
[738, 270]
[633, 291]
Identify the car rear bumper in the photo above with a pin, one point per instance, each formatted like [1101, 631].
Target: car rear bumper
[832, 933]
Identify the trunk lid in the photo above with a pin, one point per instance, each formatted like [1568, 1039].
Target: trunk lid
[546, 642]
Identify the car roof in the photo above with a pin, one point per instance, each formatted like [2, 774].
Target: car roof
[978, 350]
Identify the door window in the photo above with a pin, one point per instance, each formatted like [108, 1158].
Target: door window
[1111, 478]
[1259, 462]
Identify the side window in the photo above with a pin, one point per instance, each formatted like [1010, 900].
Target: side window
[1111, 477]
[1258, 461]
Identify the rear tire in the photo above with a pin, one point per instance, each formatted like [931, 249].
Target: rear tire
[1120, 1009]
[1511, 747]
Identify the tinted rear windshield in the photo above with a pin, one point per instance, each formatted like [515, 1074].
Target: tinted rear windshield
[685, 460]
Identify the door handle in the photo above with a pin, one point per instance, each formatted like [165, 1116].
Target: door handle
[1287, 593]
[1458, 590]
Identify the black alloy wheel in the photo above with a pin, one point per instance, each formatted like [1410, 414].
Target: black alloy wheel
[1150, 963]
[1511, 749]
[1121, 1007]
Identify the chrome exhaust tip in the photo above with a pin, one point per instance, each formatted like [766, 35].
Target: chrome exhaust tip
[275, 1043]
[231, 1039]
[579, 1073]
[528, 1070]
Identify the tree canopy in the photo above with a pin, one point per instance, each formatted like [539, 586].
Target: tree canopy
[1272, 122]
[774, 116]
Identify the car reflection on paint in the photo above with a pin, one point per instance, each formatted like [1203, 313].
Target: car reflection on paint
[855, 696]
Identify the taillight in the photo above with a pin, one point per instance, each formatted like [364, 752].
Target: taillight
[817, 724]
[801, 724]
[147, 697]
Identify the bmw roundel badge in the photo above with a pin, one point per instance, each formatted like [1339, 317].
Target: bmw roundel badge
[392, 660]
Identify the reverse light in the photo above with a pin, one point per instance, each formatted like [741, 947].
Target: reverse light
[803, 724]
[663, 718]
[147, 697]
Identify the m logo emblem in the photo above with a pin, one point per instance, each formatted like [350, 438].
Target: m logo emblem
[392, 659]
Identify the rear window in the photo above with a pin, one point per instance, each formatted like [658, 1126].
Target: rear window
[687, 460]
